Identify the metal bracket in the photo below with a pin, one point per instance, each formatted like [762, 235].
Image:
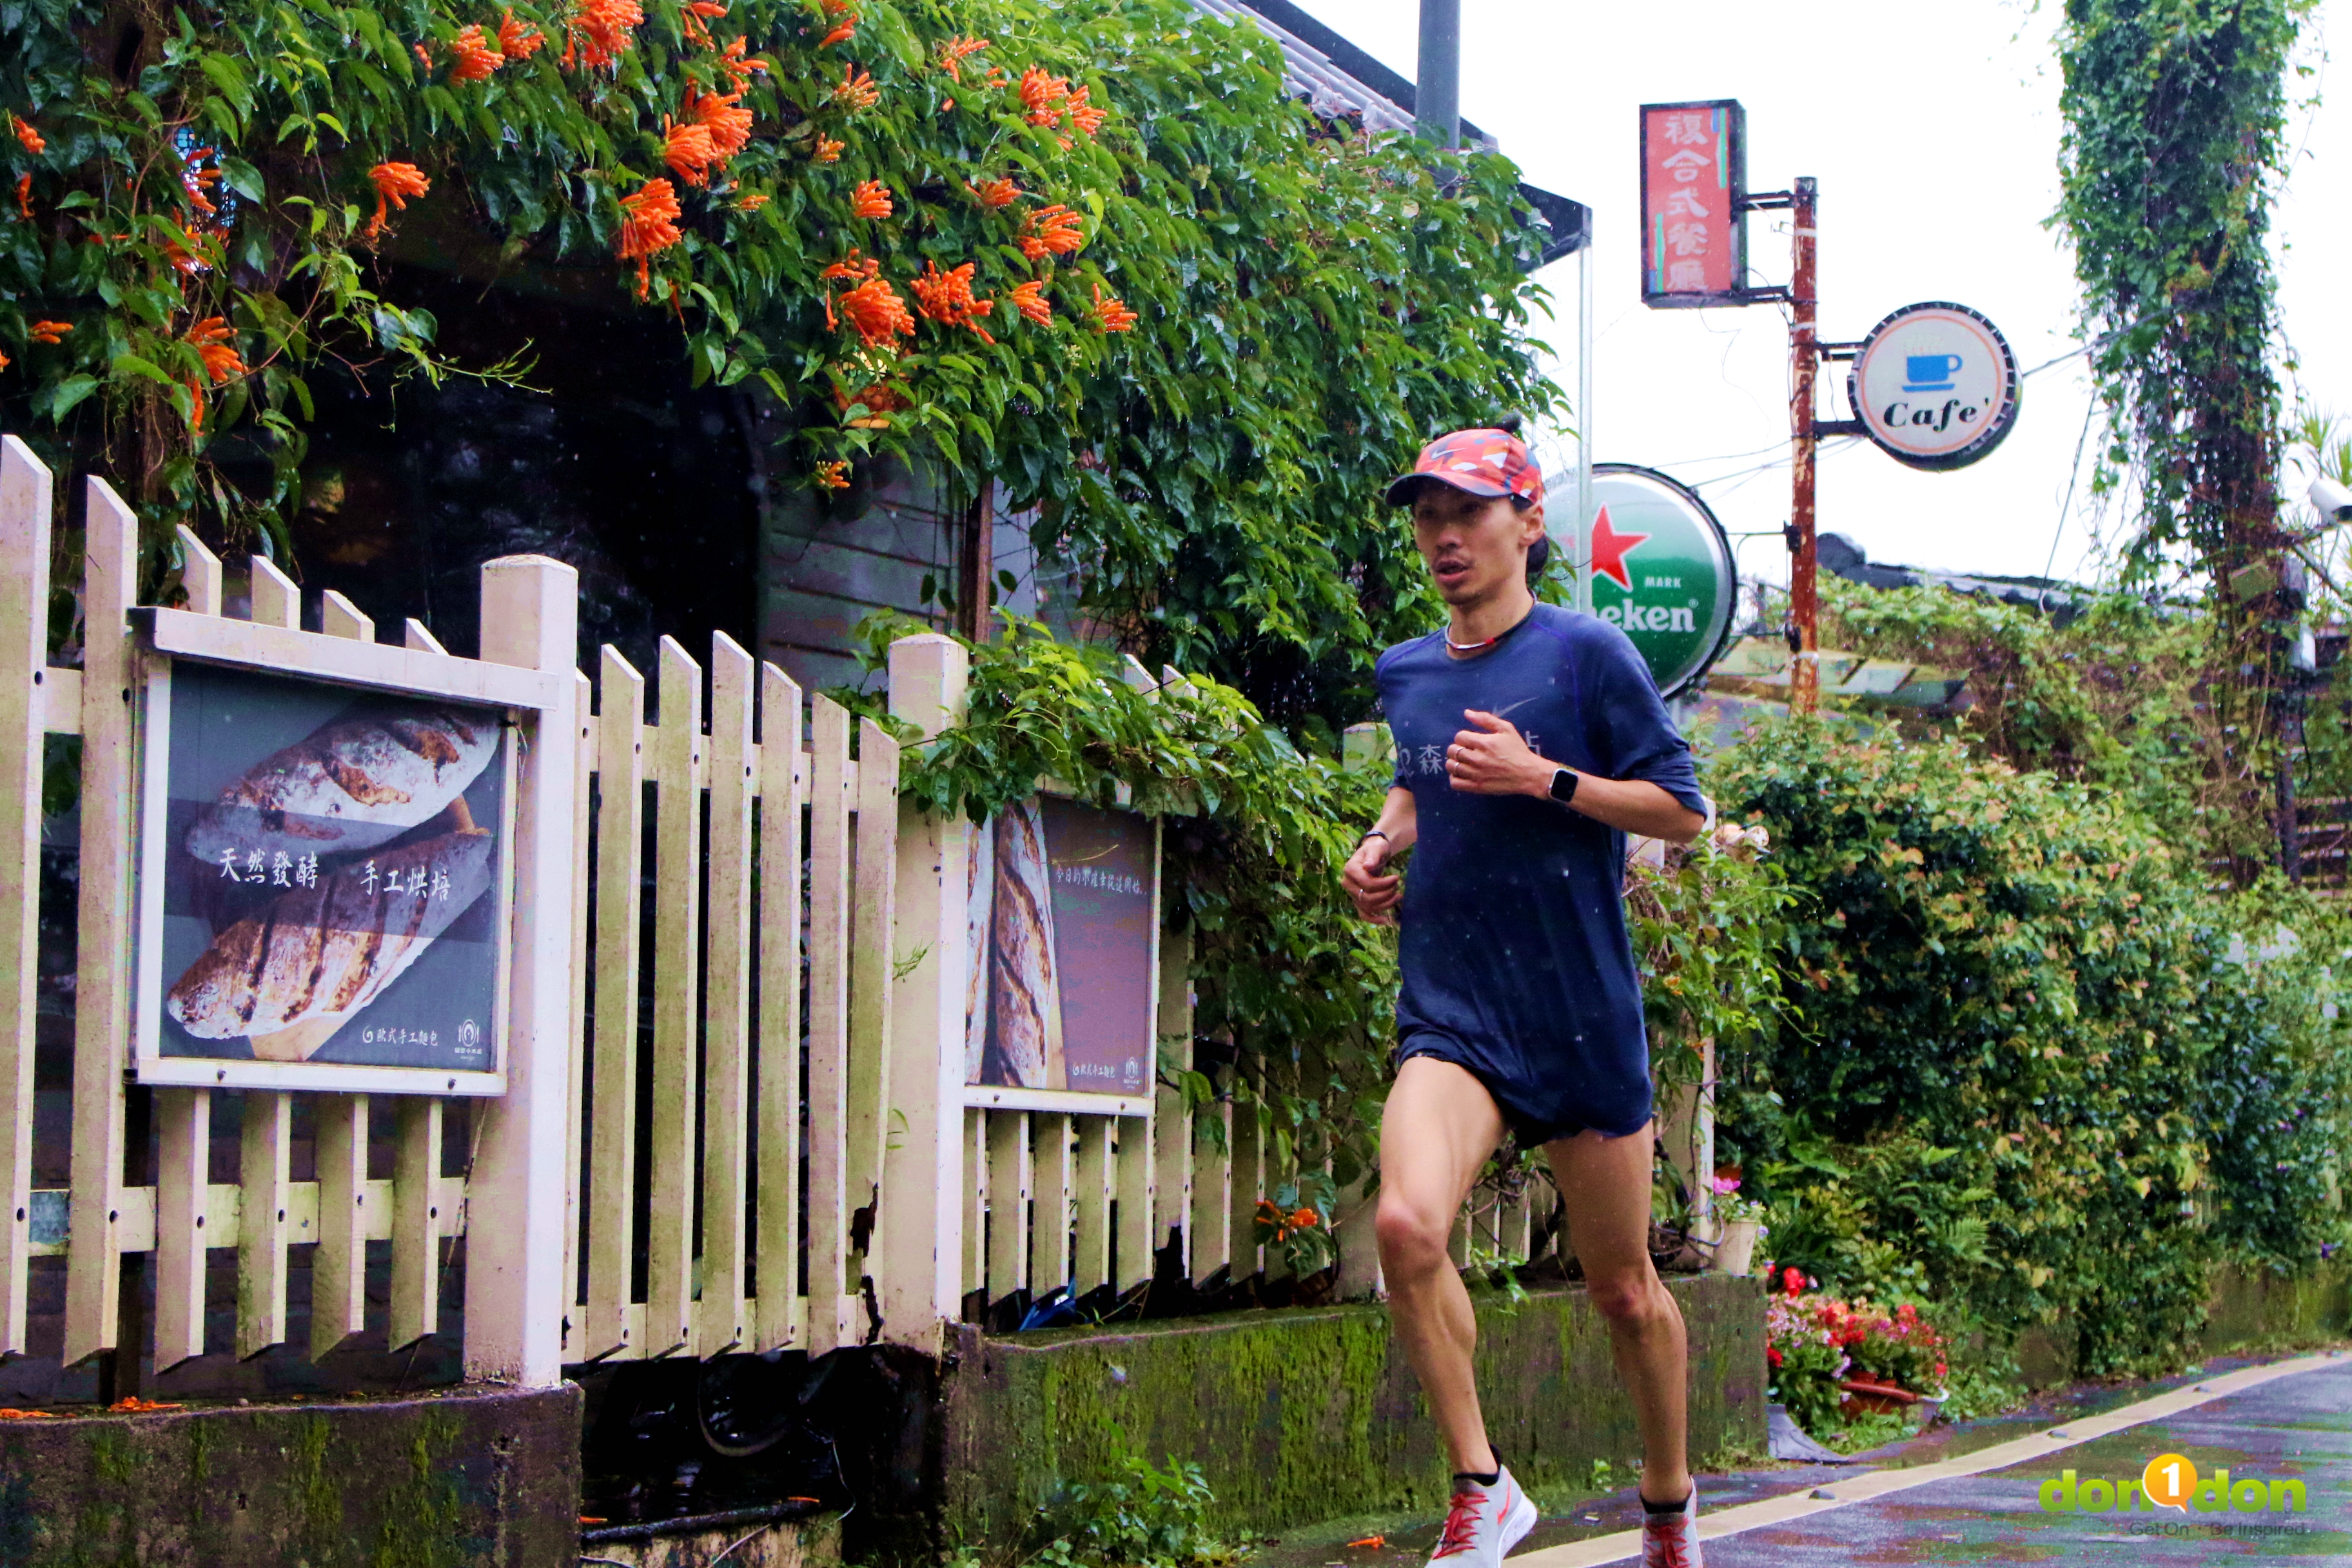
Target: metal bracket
[1840, 351]
[1771, 294]
[1839, 427]
[1764, 201]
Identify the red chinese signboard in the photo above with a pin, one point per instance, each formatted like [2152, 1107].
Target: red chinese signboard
[1694, 229]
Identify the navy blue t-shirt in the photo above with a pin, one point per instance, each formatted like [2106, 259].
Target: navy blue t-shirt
[1515, 961]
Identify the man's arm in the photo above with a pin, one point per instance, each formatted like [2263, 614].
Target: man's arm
[1375, 891]
[1492, 758]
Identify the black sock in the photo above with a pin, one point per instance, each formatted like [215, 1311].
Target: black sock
[1486, 1480]
[1649, 1507]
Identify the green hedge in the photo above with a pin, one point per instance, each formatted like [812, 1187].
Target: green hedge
[2029, 1065]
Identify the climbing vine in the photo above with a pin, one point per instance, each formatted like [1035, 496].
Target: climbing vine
[1092, 252]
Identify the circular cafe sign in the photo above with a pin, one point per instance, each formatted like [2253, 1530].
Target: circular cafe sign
[1936, 386]
[1661, 569]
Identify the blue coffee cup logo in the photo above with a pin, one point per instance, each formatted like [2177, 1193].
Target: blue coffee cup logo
[1930, 372]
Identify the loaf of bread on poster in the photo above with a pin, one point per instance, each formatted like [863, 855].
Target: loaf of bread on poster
[316, 956]
[349, 787]
[1025, 998]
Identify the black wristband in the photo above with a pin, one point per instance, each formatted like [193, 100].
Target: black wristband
[1374, 833]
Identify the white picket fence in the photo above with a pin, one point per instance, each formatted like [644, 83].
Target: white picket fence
[805, 925]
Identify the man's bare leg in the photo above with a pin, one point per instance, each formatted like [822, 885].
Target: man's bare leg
[1438, 1130]
[1604, 1184]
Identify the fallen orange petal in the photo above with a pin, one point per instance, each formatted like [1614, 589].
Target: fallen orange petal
[1373, 1540]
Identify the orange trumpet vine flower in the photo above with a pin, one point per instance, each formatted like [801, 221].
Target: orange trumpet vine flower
[717, 112]
[692, 17]
[828, 151]
[955, 51]
[751, 203]
[995, 193]
[518, 40]
[50, 331]
[476, 59]
[395, 183]
[832, 476]
[732, 61]
[844, 19]
[946, 297]
[880, 403]
[687, 151]
[1110, 315]
[856, 90]
[876, 314]
[1051, 231]
[600, 31]
[1042, 95]
[1087, 118]
[871, 199]
[1029, 298]
[6, 362]
[424, 56]
[648, 226]
[213, 343]
[28, 136]
[25, 195]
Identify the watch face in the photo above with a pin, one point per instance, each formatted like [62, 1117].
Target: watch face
[1563, 785]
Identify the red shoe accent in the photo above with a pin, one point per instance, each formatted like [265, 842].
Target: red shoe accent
[1664, 1547]
[1461, 1533]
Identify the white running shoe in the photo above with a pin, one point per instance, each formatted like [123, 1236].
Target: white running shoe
[1484, 1523]
[1671, 1539]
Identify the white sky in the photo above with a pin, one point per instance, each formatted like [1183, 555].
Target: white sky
[1936, 144]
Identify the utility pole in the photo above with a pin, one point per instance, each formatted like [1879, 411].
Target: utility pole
[1437, 90]
[1804, 363]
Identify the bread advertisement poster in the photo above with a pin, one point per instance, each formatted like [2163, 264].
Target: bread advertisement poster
[331, 865]
[1062, 919]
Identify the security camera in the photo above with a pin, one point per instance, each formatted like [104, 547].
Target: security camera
[2333, 500]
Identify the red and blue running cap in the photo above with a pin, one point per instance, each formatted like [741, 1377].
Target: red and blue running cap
[1483, 462]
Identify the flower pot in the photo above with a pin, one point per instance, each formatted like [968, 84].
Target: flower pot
[1737, 1250]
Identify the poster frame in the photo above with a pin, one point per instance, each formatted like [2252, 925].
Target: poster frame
[520, 696]
[1089, 1103]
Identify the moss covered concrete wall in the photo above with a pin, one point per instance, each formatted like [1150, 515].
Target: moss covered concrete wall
[1297, 1417]
[467, 1478]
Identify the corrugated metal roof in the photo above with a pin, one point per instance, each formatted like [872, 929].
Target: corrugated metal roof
[1314, 75]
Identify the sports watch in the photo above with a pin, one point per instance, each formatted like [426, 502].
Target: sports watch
[1563, 785]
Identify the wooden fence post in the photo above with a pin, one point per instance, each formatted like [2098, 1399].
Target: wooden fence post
[923, 1215]
[515, 1295]
[24, 660]
[102, 947]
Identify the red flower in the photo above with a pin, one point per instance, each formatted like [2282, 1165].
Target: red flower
[28, 136]
[648, 226]
[1792, 1282]
[1772, 1354]
[856, 90]
[870, 199]
[1087, 118]
[955, 51]
[946, 297]
[475, 58]
[1042, 95]
[876, 314]
[1053, 230]
[395, 183]
[1029, 298]
[691, 17]
[732, 62]
[600, 31]
[518, 40]
[1110, 315]
[687, 151]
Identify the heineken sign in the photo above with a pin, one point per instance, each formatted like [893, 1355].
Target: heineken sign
[1661, 568]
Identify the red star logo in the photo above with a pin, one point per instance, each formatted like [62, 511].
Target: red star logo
[1610, 548]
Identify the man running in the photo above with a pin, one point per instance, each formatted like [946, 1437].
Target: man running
[1529, 741]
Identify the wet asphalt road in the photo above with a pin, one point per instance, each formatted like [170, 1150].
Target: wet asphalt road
[2297, 1426]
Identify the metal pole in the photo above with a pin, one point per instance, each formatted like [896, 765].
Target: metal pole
[1804, 361]
[1437, 94]
[1581, 561]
